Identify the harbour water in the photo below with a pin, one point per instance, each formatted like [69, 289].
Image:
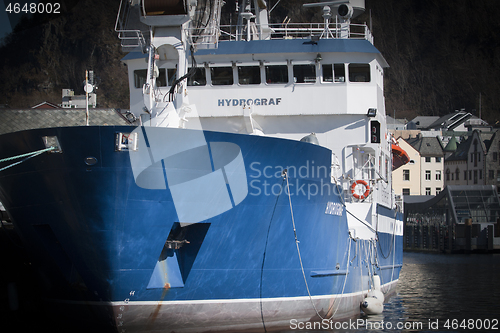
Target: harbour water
[436, 293]
[458, 292]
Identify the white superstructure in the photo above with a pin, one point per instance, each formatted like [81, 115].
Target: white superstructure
[281, 80]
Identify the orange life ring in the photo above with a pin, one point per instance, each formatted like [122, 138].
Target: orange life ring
[367, 189]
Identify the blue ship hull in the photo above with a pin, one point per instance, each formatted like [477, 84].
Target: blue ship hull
[280, 254]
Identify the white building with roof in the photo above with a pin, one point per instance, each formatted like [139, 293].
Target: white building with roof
[72, 101]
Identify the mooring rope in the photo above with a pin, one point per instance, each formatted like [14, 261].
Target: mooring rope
[302, 265]
[264, 257]
[27, 155]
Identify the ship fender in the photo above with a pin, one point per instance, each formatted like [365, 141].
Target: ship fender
[372, 306]
[374, 302]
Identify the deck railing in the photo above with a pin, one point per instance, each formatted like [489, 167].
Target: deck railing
[281, 31]
[289, 31]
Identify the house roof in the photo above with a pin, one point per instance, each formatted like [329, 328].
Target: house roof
[395, 123]
[462, 150]
[45, 105]
[488, 138]
[453, 120]
[12, 120]
[462, 198]
[422, 122]
[452, 145]
[427, 146]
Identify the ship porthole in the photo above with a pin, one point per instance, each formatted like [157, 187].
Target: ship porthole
[90, 160]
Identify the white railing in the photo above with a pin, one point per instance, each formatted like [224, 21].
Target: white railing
[299, 31]
[279, 31]
[130, 38]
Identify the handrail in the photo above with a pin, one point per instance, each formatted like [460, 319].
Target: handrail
[127, 34]
[299, 31]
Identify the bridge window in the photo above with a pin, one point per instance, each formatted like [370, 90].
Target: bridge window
[304, 73]
[277, 74]
[359, 73]
[140, 77]
[249, 75]
[221, 76]
[339, 72]
[198, 79]
[327, 72]
[333, 73]
[171, 77]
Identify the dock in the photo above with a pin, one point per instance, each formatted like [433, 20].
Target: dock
[459, 238]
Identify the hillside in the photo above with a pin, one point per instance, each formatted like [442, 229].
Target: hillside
[443, 54]
[41, 58]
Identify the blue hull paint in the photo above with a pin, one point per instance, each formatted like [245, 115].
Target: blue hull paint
[97, 236]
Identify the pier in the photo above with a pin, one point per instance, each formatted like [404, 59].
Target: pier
[459, 238]
[460, 219]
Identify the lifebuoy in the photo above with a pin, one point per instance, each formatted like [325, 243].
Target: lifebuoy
[360, 196]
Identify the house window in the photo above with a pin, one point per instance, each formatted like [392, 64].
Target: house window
[427, 191]
[475, 155]
[480, 174]
[438, 174]
[438, 190]
[491, 174]
[457, 172]
[498, 175]
[406, 174]
[447, 174]
[406, 191]
[472, 157]
[438, 159]
[427, 159]
[427, 174]
[277, 74]
[470, 174]
[452, 176]
[495, 156]
[475, 176]
[465, 174]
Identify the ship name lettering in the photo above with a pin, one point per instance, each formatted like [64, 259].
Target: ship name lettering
[334, 208]
[249, 102]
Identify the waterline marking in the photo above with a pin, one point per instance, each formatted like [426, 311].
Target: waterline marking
[328, 324]
[431, 324]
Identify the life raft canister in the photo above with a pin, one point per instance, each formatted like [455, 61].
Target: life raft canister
[367, 189]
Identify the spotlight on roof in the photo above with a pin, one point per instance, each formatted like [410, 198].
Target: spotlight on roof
[372, 112]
